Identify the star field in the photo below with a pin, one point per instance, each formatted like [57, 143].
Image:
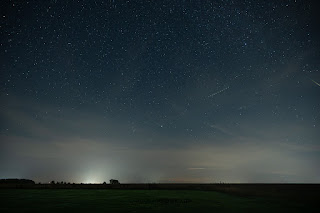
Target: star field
[227, 86]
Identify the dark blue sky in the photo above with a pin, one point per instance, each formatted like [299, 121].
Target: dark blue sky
[160, 91]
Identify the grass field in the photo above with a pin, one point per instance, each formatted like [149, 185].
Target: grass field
[95, 200]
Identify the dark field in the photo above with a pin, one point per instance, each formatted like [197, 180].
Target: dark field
[272, 198]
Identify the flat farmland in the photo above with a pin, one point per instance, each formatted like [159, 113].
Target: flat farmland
[141, 200]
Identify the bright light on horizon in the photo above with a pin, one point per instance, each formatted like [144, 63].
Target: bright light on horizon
[93, 179]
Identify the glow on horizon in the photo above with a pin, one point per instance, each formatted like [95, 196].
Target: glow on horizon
[93, 179]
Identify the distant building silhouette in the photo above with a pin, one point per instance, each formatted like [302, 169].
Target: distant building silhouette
[113, 181]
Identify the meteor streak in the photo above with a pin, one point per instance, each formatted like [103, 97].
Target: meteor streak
[216, 93]
[315, 82]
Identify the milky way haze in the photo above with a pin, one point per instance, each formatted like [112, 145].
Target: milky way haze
[160, 91]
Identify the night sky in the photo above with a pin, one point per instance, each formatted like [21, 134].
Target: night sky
[160, 91]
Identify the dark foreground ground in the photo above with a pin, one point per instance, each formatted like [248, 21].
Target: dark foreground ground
[161, 198]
